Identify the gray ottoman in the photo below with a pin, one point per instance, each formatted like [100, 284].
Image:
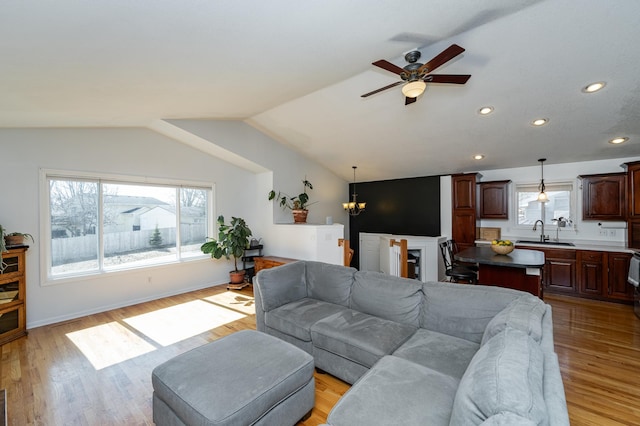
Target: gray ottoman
[246, 378]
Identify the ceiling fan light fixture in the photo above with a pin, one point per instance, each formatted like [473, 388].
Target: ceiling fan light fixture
[594, 87]
[413, 89]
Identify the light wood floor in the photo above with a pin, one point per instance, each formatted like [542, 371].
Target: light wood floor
[96, 370]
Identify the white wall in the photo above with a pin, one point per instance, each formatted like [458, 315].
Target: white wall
[143, 152]
[286, 170]
[587, 231]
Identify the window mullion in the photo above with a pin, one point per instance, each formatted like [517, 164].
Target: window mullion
[100, 227]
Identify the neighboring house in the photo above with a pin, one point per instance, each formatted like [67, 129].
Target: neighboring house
[134, 213]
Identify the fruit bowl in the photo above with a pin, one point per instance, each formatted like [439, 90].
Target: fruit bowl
[502, 246]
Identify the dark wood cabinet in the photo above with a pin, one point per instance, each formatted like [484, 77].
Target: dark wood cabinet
[463, 212]
[560, 271]
[633, 204]
[603, 196]
[617, 286]
[592, 275]
[493, 199]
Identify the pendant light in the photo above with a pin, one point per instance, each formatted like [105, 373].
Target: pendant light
[542, 196]
[354, 207]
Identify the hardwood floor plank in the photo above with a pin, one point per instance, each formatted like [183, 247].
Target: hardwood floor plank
[51, 381]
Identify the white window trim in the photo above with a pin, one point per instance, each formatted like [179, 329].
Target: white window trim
[557, 185]
[45, 228]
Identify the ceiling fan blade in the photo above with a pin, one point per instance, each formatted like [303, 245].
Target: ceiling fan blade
[386, 65]
[408, 100]
[446, 55]
[382, 88]
[447, 78]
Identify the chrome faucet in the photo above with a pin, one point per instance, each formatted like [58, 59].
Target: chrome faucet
[543, 237]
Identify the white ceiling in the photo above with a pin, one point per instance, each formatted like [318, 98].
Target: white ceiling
[296, 70]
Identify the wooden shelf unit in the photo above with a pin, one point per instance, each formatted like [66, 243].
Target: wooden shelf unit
[13, 310]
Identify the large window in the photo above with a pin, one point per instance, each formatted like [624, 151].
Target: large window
[529, 209]
[97, 225]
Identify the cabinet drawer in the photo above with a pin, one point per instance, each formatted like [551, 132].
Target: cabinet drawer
[559, 254]
[591, 256]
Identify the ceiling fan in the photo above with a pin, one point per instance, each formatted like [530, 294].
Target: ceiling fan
[415, 75]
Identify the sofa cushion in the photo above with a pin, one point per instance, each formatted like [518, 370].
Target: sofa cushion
[462, 310]
[393, 298]
[359, 337]
[282, 285]
[447, 354]
[396, 392]
[505, 375]
[296, 318]
[330, 283]
[507, 418]
[525, 313]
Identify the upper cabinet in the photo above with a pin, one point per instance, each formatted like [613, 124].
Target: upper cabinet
[603, 196]
[463, 213]
[493, 199]
[633, 204]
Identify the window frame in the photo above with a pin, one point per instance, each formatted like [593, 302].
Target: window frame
[46, 278]
[549, 186]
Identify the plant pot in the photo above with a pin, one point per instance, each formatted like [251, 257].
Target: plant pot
[14, 240]
[236, 277]
[299, 215]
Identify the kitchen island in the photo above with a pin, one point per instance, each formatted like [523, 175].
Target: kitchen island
[521, 269]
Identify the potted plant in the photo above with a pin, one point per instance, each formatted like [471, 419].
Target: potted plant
[16, 238]
[232, 240]
[297, 204]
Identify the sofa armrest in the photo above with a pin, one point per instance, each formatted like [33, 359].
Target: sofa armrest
[281, 285]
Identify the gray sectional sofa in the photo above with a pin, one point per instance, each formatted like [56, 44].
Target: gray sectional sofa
[418, 353]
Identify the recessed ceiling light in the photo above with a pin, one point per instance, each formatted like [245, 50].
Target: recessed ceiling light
[478, 157]
[485, 110]
[540, 121]
[616, 141]
[594, 87]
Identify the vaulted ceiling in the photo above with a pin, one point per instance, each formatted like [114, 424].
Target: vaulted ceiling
[296, 69]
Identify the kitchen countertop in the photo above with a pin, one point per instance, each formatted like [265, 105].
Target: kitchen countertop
[518, 258]
[579, 245]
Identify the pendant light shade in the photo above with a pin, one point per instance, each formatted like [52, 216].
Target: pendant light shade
[542, 196]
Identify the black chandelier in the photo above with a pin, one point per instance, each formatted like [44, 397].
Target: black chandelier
[354, 207]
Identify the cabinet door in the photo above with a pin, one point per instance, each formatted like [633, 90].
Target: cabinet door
[464, 191]
[591, 273]
[463, 228]
[603, 196]
[493, 200]
[618, 288]
[633, 189]
[560, 275]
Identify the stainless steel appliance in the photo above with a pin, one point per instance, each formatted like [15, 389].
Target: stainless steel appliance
[633, 279]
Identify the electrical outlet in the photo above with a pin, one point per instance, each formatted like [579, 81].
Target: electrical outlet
[603, 232]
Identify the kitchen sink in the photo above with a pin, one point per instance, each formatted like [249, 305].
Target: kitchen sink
[551, 243]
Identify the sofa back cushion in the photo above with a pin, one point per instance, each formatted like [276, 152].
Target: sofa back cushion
[525, 313]
[505, 375]
[329, 283]
[462, 310]
[385, 296]
[281, 285]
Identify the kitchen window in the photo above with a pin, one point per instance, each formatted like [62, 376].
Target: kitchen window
[96, 225]
[529, 209]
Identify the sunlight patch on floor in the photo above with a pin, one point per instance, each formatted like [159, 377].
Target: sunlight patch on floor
[233, 300]
[108, 344]
[170, 325]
